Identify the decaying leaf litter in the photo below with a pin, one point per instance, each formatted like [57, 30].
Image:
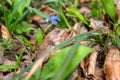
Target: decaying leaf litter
[101, 64]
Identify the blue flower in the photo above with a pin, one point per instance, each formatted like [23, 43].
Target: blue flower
[54, 19]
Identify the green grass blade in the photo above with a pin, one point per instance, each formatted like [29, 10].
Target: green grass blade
[7, 67]
[18, 60]
[22, 72]
[64, 18]
[39, 13]
[19, 19]
[109, 7]
[66, 42]
[55, 1]
[68, 59]
[11, 15]
[78, 14]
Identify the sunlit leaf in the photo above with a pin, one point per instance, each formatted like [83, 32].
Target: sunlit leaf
[9, 1]
[22, 5]
[23, 27]
[7, 67]
[56, 61]
[78, 14]
[109, 7]
[95, 10]
[39, 36]
[116, 41]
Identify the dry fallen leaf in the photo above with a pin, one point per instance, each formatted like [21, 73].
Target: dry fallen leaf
[89, 64]
[99, 73]
[74, 75]
[92, 62]
[85, 11]
[79, 28]
[80, 78]
[82, 1]
[98, 25]
[112, 64]
[5, 32]
[35, 66]
[53, 38]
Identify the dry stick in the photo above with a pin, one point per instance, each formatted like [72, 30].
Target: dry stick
[35, 66]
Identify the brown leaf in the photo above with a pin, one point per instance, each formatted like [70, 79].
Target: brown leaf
[82, 1]
[112, 64]
[85, 11]
[33, 41]
[5, 32]
[52, 39]
[98, 25]
[92, 62]
[79, 28]
[80, 78]
[99, 73]
[74, 75]
[89, 64]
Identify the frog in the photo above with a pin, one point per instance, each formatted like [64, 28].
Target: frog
[52, 39]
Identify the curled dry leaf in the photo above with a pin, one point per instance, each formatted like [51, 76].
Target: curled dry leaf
[4, 31]
[112, 64]
[74, 75]
[92, 61]
[89, 64]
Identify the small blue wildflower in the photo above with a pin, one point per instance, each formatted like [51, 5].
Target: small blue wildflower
[54, 19]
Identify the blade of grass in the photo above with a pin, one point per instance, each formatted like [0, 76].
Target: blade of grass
[55, 1]
[39, 12]
[62, 15]
[10, 16]
[22, 72]
[68, 59]
[109, 7]
[20, 18]
[78, 14]
[35, 66]
[66, 42]
[7, 67]
[64, 18]
[18, 60]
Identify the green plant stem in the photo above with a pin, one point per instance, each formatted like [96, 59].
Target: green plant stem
[18, 60]
[76, 3]
[47, 27]
[64, 18]
[62, 15]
